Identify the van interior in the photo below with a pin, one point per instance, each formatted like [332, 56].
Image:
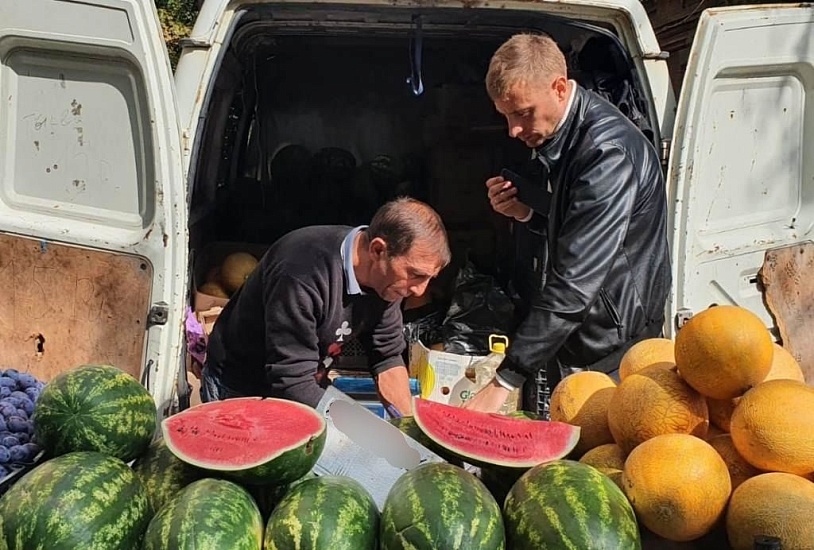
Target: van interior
[320, 115]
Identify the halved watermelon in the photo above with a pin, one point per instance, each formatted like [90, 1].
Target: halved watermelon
[250, 439]
[486, 438]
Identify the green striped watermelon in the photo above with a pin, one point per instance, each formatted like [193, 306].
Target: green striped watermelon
[570, 506]
[95, 408]
[83, 500]
[438, 506]
[163, 474]
[249, 439]
[328, 512]
[208, 514]
[3, 545]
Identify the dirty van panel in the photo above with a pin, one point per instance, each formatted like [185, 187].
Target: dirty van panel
[92, 200]
[63, 306]
[321, 114]
[742, 173]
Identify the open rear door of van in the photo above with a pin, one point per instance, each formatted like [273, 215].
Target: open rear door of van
[92, 201]
[741, 178]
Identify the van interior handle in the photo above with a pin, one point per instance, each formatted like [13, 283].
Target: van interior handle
[416, 44]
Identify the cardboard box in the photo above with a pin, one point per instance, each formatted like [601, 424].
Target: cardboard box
[442, 375]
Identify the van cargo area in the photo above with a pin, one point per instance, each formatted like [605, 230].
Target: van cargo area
[319, 116]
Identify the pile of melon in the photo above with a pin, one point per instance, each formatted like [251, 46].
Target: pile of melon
[225, 279]
[710, 435]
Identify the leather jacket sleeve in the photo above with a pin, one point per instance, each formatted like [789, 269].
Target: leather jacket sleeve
[601, 193]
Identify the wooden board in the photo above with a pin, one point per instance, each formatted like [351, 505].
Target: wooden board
[787, 277]
[62, 306]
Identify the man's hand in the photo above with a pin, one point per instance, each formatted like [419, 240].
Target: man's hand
[394, 389]
[502, 197]
[489, 399]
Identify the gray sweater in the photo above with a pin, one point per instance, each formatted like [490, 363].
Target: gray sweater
[295, 311]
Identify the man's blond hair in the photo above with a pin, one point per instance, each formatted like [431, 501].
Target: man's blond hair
[524, 59]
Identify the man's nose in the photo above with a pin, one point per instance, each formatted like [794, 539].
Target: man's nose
[419, 289]
[515, 130]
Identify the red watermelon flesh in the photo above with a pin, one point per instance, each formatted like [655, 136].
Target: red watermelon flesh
[487, 438]
[260, 440]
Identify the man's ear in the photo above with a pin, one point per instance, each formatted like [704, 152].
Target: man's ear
[378, 248]
[560, 86]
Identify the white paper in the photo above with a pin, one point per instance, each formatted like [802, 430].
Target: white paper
[365, 447]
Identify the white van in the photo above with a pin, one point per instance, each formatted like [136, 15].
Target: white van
[114, 178]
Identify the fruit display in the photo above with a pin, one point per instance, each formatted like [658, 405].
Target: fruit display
[234, 270]
[567, 504]
[19, 392]
[163, 474]
[582, 399]
[249, 439]
[438, 506]
[82, 410]
[331, 512]
[208, 514]
[82, 499]
[494, 439]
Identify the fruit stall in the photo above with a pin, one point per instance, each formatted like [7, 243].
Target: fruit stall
[704, 442]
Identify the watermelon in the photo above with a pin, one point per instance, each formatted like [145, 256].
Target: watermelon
[487, 438]
[568, 504]
[84, 500]
[438, 506]
[407, 425]
[163, 474]
[3, 545]
[208, 514]
[252, 440]
[324, 512]
[95, 408]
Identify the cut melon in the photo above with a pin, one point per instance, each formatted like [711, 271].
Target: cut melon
[250, 439]
[487, 438]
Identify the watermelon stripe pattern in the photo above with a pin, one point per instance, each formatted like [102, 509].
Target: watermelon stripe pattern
[209, 514]
[438, 506]
[95, 408]
[79, 500]
[163, 474]
[328, 512]
[570, 506]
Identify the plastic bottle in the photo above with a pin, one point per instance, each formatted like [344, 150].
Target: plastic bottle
[481, 372]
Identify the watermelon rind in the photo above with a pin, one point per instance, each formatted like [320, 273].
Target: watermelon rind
[325, 512]
[438, 506]
[95, 408]
[284, 465]
[495, 432]
[82, 500]
[163, 474]
[208, 514]
[569, 505]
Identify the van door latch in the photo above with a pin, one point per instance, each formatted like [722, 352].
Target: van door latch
[159, 312]
[682, 316]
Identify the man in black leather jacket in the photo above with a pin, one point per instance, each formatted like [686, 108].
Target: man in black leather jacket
[608, 271]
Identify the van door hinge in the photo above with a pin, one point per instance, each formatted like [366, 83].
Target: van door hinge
[159, 312]
[682, 316]
[666, 147]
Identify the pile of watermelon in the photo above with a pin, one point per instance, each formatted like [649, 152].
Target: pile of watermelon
[238, 474]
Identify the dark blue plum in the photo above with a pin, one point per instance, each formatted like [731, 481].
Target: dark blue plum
[5, 391]
[26, 380]
[19, 394]
[19, 454]
[28, 406]
[3, 425]
[15, 402]
[5, 455]
[22, 414]
[3, 472]
[7, 410]
[12, 373]
[32, 393]
[8, 382]
[17, 424]
[22, 437]
[9, 441]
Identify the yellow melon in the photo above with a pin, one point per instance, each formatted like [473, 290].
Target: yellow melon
[235, 269]
[608, 459]
[784, 366]
[723, 351]
[772, 504]
[655, 401]
[720, 412]
[211, 288]
[582, 399]
[773, 426]
[645, 353]
[739, 469]
[678, 485]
